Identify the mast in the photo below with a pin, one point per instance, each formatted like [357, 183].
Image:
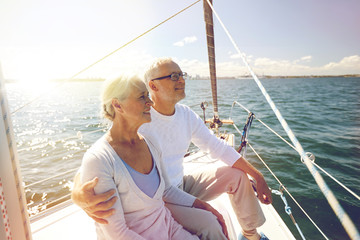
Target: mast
[208, 17]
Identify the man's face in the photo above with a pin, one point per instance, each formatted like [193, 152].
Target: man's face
[169, 90]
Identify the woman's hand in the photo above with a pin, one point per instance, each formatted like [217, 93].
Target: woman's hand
[205, 206]
[98, 207]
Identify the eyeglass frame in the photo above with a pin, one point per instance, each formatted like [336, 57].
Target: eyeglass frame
[182, 74]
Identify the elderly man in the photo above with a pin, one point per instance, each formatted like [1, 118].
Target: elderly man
[174, 126]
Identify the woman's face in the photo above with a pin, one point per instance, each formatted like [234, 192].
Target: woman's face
[136, 107]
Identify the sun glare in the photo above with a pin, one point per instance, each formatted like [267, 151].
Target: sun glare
[36, 86]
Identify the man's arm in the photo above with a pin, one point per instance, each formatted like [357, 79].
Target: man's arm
[98, 207]
[263, 191]
[218, 149]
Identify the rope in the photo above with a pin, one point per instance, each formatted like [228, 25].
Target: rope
[288, 210]
[79, 135]
[313, 162]
[277, 179]
[49, 178]
[335, 205]
[245, 133]
[106, 56]
[337, 181]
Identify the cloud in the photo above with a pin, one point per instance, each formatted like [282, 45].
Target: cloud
[347, 65]
[186, 40]
[303, 59]
[179, 44]
[238, 56]
[306, 58]
[268, 66]
[235, 56]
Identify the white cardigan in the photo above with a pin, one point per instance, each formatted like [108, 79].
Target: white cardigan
[137, 216]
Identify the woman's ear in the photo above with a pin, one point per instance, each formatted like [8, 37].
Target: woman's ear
[116, 104]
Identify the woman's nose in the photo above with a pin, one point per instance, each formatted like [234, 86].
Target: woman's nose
[149, 101]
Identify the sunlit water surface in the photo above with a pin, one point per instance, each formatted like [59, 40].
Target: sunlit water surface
[53, 132]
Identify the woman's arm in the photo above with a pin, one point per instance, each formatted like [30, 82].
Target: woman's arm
[98, 207]
[102, 169]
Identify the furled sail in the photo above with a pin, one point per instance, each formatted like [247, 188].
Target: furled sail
[208, 16]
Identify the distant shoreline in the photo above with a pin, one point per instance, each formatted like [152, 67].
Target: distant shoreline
[270, 77]
[64, 80]
[205, 78]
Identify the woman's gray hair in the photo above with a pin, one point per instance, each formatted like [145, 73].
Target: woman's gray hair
[118, 88]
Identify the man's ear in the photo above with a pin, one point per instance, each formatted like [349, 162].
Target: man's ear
[153, 86]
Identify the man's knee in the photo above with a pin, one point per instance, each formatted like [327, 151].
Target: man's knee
[231, 178]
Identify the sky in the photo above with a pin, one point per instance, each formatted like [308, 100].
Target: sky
[46, 39]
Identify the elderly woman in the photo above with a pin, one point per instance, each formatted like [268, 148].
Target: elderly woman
[124, 160]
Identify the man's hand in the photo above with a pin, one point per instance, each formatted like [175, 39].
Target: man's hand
[98, 207]
[263, 191]
[205, 206]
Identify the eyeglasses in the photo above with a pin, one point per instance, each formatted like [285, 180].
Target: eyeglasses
[174, 76]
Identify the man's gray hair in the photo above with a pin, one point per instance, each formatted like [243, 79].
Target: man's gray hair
[152, 70]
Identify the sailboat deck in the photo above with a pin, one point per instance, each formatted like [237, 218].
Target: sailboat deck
[67, 221]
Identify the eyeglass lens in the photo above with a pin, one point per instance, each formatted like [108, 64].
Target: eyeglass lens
[176, 76]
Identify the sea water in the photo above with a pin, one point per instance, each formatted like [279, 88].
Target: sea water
[53, 132]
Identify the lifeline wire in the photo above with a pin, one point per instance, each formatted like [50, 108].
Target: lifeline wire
[335, 205]
[277, 179]
[292, 146]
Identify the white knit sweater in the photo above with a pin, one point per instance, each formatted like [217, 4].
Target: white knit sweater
[175, 133]
[137, 216]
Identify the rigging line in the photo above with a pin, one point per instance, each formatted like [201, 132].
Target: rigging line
[329, 195]
[337, 181]
[67, 196]
[108, 55]
[277, 179]
[323, 170]
[111, 53]
[292, 146]
[78, 136]
[49, 178]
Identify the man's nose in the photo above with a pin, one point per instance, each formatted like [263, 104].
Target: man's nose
[181, 79]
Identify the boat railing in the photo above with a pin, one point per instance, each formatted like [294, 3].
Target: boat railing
[45, 204]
